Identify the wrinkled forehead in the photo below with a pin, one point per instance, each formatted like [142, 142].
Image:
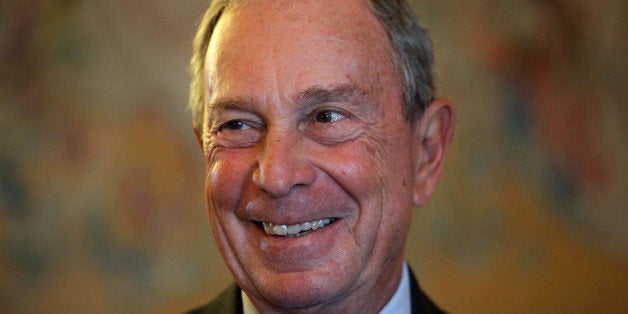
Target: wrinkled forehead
[330, 15]
[324, 35]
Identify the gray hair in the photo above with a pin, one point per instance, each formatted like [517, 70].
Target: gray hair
[411, 48]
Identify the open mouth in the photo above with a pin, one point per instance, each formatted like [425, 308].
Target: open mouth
[295, 230]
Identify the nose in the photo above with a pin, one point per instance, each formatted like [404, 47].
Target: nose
[283, 163]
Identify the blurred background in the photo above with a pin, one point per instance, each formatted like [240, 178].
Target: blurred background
[101, 180]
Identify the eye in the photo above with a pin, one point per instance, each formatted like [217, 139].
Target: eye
[235, 125]
[330, 125]
[328, 117]
[237, 133]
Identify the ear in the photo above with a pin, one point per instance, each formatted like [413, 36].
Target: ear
[433, 133]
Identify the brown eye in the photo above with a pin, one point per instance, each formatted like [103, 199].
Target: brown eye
[237, 133]
[234, 125]
[328, 117]
[330, 126]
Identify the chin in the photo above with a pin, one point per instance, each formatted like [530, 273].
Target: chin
[305, 290]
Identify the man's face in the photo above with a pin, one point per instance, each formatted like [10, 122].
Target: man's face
[304, 130]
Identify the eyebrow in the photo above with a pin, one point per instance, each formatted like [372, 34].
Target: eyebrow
[233, 103]
[349, 92]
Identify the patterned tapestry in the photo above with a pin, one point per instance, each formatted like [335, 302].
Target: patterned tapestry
[101, 178]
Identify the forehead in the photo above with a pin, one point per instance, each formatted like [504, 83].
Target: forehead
[297, 43]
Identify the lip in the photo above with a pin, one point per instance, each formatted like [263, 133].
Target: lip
[258, 225]
[293, 211]
[288, 254]
[296, 230]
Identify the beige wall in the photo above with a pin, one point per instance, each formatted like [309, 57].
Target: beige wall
[101, 204]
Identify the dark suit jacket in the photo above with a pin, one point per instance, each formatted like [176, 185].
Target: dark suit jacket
[230, 301]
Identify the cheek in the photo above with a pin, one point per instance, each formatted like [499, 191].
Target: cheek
[374, 168]
[353, 170]
[378, 174]
[224, 178]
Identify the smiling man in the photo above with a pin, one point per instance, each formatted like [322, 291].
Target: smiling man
[321, 136]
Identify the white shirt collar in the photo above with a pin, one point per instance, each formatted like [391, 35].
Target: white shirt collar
[399, 303]
[247, 305]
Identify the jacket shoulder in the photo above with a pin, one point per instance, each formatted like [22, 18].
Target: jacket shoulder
[228, 301]
[421, 303]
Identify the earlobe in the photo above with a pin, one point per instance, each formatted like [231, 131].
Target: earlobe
[433, 134]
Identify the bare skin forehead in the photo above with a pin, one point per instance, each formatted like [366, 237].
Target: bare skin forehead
[350, 15]
[253, 28]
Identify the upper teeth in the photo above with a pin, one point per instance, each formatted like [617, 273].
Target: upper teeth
[282, 230]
